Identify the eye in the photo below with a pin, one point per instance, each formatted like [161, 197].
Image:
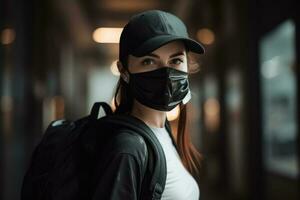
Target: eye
[176, 61]
[148, 61]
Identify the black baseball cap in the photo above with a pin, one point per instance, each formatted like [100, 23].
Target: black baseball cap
[150, 30]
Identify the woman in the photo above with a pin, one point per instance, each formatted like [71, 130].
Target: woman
[153, 63]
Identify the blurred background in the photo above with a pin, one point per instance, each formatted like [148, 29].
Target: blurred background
[58, 57]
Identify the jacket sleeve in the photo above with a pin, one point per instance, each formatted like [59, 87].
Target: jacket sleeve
[123, 174]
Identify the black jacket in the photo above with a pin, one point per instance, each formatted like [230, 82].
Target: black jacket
[124, 174]
[124, 170]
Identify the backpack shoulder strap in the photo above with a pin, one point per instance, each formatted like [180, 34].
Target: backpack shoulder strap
[158, 179]
[96, 108]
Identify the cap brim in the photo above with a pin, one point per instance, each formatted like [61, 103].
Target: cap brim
[158, 41]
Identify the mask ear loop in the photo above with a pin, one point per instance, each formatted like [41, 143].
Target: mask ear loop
[127, 78]
[187, 97]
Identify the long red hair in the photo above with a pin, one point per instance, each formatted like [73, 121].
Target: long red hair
[190, 156]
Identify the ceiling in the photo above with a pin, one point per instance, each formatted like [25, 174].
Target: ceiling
[81, 17]
[117, 12]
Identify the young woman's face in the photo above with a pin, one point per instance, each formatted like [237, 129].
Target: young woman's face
[172, 54]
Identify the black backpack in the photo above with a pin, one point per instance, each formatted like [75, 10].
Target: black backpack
[57, 172]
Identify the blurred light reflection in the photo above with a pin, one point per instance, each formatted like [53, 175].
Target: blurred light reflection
[212, 114]
[8, 36]
[107, 35]
[206, 36]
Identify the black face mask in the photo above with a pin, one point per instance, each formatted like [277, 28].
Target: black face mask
[161, 89]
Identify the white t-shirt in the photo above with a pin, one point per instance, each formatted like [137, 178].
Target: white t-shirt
[180, 184]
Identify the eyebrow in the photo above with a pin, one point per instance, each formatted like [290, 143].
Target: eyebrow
[173, 55]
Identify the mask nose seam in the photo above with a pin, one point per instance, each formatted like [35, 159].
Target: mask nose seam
[170, 86]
